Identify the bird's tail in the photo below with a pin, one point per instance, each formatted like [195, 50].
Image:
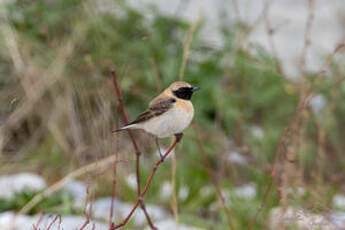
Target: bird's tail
[124, 128]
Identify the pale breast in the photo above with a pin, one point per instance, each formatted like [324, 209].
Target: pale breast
[171, 122]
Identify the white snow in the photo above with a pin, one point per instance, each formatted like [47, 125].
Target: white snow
[11, 184]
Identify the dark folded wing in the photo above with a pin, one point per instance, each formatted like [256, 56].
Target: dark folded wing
[156, 109]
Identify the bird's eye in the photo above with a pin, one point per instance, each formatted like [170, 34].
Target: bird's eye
[184, 89]
[184, 93]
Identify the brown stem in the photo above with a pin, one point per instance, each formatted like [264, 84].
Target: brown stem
[35, 227]
[142, 194]
[87, 214]
[214, 178]
[307, 33]
[54, 220]
[281, 149]
[136, 148]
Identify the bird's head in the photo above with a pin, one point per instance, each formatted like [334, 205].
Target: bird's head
[182, 90]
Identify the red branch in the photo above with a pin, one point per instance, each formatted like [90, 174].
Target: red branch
[54, 220]
[136, 148]
[214, 178]
[35, 227]
[89, 213]
[142, 194]
[281, 149]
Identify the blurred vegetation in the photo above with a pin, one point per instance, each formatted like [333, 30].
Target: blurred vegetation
[60, 203]
[66, 49]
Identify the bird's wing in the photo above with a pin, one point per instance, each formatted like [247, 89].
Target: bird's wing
[156, 108]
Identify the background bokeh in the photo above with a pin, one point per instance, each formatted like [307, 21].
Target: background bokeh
[58, 107]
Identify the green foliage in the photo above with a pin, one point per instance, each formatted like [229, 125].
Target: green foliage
[59, 202]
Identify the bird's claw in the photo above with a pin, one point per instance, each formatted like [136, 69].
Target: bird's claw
[178, 137]
[161, 156]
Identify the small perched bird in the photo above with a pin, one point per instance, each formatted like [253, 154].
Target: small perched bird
[168, 114]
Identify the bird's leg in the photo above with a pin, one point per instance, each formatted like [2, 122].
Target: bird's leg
[159, 148]
[178, 136]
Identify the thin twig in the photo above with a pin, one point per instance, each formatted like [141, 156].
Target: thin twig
[270, 31]
[281, 148]
[142, 194]
[54, 220]
[38, 221]
[86, 214]
[214, 178]
[136, 148]
[307, 40]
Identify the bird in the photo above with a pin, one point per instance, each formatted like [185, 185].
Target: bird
[168, 114]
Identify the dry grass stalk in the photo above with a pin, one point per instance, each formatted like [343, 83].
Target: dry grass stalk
[289, 172]
[99, 165]
[318, 172]
[174, 202]
[186, 49]
[186, 45]
[214, 178]
[47, 79]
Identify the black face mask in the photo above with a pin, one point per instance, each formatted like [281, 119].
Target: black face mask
[185, 93]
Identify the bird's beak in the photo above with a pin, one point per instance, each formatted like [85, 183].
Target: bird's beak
[195, 89]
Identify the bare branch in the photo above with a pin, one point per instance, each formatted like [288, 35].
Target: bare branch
[136, 148]
[87, 214]
[214, 178]
[307, 40]
[53, 221]
[35, 227]
[142, 194]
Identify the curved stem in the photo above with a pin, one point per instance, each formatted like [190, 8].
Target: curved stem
[135, 145]
[142, 194]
